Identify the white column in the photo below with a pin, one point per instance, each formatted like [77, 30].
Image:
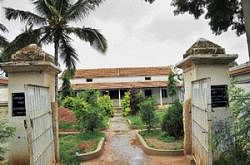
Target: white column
[161, 97]
[119, 92]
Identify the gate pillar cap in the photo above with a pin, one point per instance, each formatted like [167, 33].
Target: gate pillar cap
[205, 52]
[31, 58]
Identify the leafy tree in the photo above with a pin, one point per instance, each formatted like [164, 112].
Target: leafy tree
[171, 88]
[135, 99]
[222, 14]
[90, 96]
[5, 133]
[52, 22]
[125, 103]
[106, 105]
[172, 122]
[147, 112]
[66, 86]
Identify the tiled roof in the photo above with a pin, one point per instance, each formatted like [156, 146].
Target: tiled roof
[241, 69]
[3, 81]
[120, 85]
[122, 72]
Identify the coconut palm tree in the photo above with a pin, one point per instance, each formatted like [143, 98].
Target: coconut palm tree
[3, 41]
[52, 21]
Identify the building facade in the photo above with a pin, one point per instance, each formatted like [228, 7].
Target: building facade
[3, 97]
[151, 81]
[241, 74]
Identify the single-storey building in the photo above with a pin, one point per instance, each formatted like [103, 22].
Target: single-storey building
[3, 97]
[241, 74]
[151, 81]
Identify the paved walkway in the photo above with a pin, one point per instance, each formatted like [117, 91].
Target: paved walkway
[121, 148]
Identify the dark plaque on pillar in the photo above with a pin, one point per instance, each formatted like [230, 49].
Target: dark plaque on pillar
[18, 104]
[219, 96]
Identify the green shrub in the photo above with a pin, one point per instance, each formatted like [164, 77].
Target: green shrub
[68, 102]
[89, 117]
[5, 132]
[90, 96]
[147, 112]
[135, 99]
[172, 123]
[106, 105]
[125, 103]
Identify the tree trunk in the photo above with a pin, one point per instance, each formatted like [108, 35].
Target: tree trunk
[246, 11]
[55, 113]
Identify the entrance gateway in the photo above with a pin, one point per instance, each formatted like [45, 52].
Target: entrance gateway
[31, 102]
[201, 121]
[38, 125]
[205, 68]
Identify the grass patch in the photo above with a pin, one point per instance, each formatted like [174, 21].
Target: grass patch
[68, 126]
[136, 121]
[159, 140]
[70, 144]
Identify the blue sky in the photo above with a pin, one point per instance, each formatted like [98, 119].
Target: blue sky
[138, 34]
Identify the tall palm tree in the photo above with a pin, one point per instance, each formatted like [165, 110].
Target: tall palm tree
[52, 20]
[3, 41]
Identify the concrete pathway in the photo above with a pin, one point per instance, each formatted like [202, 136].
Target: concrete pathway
[121, 148]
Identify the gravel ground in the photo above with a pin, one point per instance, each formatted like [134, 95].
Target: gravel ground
[121, 148]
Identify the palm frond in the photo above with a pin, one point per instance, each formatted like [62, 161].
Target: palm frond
[81, 8]
[31, 18]
[28, 37]
[3, 28]
[62, 6]
[3, 42]
[68, 53]
[93, 36]
[42, 8]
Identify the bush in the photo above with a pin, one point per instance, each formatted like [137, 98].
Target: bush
[135, 99]
[147, 112]
[172, 123]
[74, 103]
[126, 104]
[5, 133]
[90, 96]
[89, 117]
[106, 105]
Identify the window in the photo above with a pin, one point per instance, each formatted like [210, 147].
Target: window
[164, 93]
[89, 80]
[147, 78]
[148, 93]
[114, 94]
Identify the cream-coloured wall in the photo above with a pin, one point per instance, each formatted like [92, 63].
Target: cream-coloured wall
[218, 73]
[16, 84]
[120, 79]
[3, 93]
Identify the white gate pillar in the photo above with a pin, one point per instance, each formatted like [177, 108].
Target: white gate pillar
[204, 59]
[30, 65]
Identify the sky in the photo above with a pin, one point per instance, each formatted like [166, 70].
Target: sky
[138, 34]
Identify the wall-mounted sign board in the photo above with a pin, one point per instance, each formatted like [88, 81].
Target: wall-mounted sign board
[219, 96]
[18, 104]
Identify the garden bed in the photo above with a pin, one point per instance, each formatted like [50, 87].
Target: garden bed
[81, 143]
[135, 121]
[157, 143]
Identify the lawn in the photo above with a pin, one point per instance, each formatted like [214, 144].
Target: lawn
[84, 142]
[159, 140]
[137, 123]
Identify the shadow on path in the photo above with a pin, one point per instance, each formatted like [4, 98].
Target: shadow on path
[121, 148]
